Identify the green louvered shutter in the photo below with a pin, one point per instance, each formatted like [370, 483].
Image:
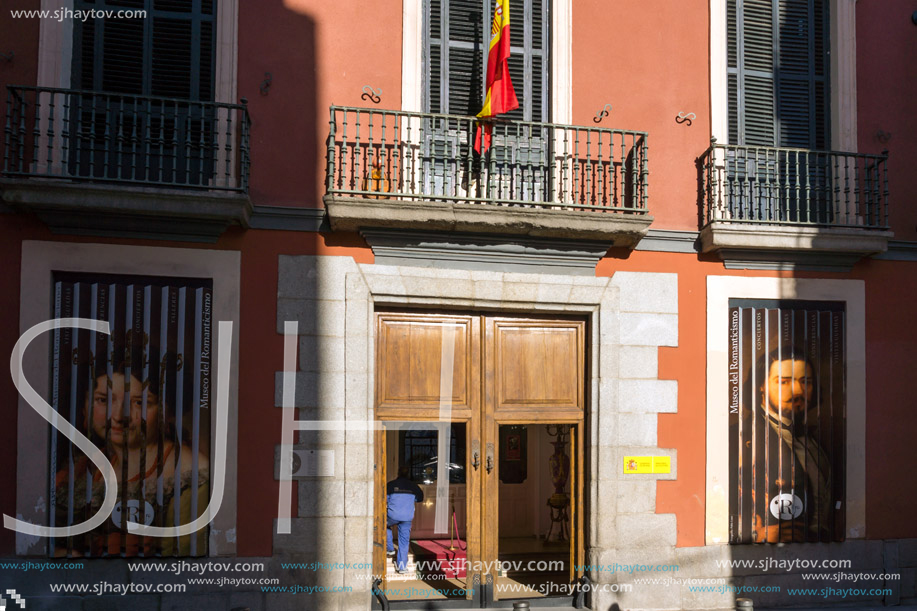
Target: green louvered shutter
[777, 73]
[169, 54]
[454, 73]
[802, 74]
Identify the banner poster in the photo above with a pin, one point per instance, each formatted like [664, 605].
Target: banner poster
[142, 395]
[787, 421]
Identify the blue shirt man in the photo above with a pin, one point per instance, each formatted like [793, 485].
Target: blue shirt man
[402, 494]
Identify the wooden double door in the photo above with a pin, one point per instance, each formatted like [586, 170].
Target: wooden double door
[486, 373]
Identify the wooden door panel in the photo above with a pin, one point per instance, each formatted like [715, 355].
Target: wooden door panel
[409, 364]
[538, 365]
[506, 370]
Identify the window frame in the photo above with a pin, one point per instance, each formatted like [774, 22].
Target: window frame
[719, 290]
[39, 261]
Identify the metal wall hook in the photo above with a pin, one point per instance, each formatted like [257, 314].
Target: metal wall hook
[883, 136]
[602, 114]
[266, 83]
[373, 95]
[684, 117]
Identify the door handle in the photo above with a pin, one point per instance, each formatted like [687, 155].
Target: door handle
[475, 452]
[490, 457]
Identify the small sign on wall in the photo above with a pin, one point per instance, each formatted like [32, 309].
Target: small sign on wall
[647, 464]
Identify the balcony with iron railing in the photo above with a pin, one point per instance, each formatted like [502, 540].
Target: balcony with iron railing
[419, 171]
[117, 163]
[765, 204]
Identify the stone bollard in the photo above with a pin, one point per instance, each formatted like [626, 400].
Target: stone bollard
[745, 604]
[521, 604]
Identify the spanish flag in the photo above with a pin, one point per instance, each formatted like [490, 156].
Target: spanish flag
[501, 97]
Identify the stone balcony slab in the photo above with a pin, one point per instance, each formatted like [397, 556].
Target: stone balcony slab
[542, 221]
[762, 246]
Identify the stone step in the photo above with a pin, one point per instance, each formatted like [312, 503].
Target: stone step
[390, 567]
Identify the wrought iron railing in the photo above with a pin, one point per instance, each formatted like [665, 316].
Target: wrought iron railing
[766, 185]
[432, 157]
[111, 137]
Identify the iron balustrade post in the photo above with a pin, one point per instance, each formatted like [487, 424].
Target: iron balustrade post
[632, 200]
[50, 134]
[410, 152]
[491, 172]
[135, 119]
[358, 150]
[385, 169]
[23, 111]
[600, 180]
[227, 147]
[885, 208]
[807, 169]
[848, 190]
[798, 188]
[36, 131]
[187, 135]
[836, 191]
[621, 175]
[644, 170]
[577, 192]
[148, 140]
[396, 179]
[245, 146]
[106, 159]
[119, 137]
[8, 130]
[330, 151]
[856, 189]
[590, 170]
[205, 149]
[565, 168]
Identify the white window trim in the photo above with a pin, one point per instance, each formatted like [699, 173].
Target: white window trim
[843, 75]
[561, 59]
[39, 261]
[719, 290]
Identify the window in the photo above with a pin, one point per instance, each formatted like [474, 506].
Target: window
[457, 35]
[142, 395]
[787, 421]
[419, 449]
[777, 73]
[148, 117]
